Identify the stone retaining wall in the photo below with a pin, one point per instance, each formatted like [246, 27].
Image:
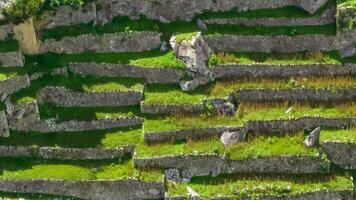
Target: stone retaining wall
[170, 10]
[213, 165]
[251, 127]
[342, 154]
[11, 59]
[268, 44]
[61, 96]
[328, 17]
[194, 133]
[152, 75]
[296, 95]
[283, 71]
[14, 84]
[118, 42]
[130, 189]
[66, 16]
[65, 153]
[163, 109]
[5, 31]
[33, 123]
[4, 129]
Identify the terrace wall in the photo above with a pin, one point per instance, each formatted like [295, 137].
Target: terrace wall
[342, 154]
[96, 190]
[4, 129]
[296, 95]
[213, 165]
[11, 59]
[65, 153]
[171, 108]
[185, 10]
[268, 44]
[14, 84]
[328, 17]
[33, 123]
[5, 31]
[283, 71]
[257, 127]
[61, 96]
[118, 42]
[66, 16]
[152, 75]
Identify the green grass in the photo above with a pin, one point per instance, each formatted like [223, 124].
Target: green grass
[167, 60]
[173, 94]
[262, 146]
[284, 58]
[245, 113]
[9, 45]
[347, 136]
[150, 59]
[114, 138]
[213, 146]
[124, 24]
[184, 36]
[27, 169]
[272, 146]
[257, 186]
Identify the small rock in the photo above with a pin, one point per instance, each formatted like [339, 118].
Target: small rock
[313, 138]
[163, 20]
[201, 25]
[229, 138]
[193, 195]
[288, 110]
[189, 85]
[173, 175]
[164, 46]
[224, 108]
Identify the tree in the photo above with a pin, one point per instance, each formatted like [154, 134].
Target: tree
[20, 10]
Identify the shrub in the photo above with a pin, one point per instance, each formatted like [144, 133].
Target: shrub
[20, 10]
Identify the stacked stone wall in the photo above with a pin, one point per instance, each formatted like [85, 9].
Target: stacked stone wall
[152, 75]
[65, 153]
[61, 96]
[118, 43]
[14, 84]
[342, 154]
[5, 31]
[11, 59]
[130, 189]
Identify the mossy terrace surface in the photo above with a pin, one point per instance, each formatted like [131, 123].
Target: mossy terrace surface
[260, 145]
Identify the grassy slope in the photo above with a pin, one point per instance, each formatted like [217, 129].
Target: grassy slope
[237, 187]
[347, 136]
[172, 94]
[20, 169]
[257, 147]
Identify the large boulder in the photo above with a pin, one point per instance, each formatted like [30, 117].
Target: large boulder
[229, 138]
[4, 129]
[194, 52]
[223, 107]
